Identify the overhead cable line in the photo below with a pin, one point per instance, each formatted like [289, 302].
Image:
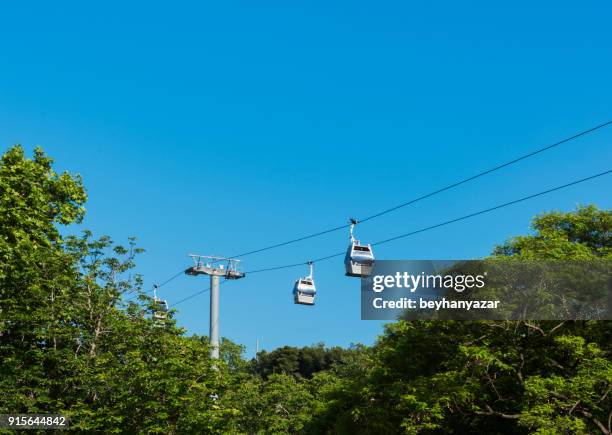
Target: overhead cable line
[420, 198]
[182, 271]
[428, 195]
[195, 294]
[582, 180]
[441, 224]
[156, 286]
[190, 297]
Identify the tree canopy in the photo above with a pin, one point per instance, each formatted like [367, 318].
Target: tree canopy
[77, 338]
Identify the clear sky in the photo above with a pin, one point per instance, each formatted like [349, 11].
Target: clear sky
[219, 128]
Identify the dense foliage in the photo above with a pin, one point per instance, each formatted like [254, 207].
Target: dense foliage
[302, 362]
[71, 344]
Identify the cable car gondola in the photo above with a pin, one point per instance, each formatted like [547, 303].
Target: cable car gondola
[304, 290]
[359, 257]
[159, 310]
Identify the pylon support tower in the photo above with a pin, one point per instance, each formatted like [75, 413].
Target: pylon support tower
[215, 267]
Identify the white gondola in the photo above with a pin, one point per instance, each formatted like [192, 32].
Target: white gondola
[304, 290]
[160, 309]
[359, 257]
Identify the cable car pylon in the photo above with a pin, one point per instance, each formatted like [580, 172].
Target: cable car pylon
[229, 268]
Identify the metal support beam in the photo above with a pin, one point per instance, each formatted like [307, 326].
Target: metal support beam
[214, 316]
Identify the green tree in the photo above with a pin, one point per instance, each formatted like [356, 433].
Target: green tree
[280, 404]
[303, 362]
[580, 235]
[37, 278]
[68, 342]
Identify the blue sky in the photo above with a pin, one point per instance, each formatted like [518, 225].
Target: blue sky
[219, 128]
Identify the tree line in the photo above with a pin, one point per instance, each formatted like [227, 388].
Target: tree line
[72, 343]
